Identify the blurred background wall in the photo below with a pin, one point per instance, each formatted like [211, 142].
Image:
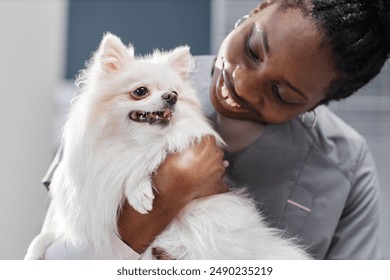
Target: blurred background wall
[148, 24]
[43, 43]
[32, 45]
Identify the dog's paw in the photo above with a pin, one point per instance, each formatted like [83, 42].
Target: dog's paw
[141, 197]
[37, 248]
[34, 255]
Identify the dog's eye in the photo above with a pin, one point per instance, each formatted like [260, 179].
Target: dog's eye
[141, 91]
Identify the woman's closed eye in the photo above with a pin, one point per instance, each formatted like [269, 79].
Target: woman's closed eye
[278, 96]
[257, 44]
[284, 98]
[252, 54]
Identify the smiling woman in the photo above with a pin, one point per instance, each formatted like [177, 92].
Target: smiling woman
[316, 180]
[275, 66]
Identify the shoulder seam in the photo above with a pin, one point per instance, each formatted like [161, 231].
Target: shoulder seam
[358, 160]
[316, 146]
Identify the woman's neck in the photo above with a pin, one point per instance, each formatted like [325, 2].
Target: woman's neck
[238, 134]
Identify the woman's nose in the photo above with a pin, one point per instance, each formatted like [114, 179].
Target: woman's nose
[247, 83]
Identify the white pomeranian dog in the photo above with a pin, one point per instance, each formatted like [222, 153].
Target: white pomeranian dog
[131, 113]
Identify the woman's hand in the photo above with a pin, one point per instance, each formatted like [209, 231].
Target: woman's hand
[195, 173]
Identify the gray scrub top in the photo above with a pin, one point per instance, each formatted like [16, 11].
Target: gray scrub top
[319, 184]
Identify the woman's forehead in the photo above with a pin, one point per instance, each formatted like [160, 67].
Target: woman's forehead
[289, 25]
[297, 45]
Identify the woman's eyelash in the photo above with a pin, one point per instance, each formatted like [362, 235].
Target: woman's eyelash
[251, 53]
[276, 93]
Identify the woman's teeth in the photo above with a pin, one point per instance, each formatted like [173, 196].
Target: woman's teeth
[228, 98]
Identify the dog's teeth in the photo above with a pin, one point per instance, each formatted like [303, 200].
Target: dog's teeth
[134, 115]
[151, 117]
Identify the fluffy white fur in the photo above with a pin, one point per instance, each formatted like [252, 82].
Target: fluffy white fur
[109, 158]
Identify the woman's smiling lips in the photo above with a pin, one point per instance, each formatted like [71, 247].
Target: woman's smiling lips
[227, 95]
[226, 89]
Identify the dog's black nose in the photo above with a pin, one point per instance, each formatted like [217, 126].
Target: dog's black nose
[170, 97]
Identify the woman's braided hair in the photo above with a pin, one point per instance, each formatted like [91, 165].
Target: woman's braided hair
[358, 33]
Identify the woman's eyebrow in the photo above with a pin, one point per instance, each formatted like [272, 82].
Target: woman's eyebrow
[264, 34]
[265, 41]
[294, 88]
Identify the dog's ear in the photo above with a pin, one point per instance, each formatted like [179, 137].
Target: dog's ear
[181, 60]
[112, 54]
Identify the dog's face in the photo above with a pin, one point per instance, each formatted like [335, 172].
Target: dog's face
[125, 92]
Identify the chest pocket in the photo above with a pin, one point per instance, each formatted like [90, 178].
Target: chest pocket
[297, 211]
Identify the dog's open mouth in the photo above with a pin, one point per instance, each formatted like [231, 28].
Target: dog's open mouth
[157, 117]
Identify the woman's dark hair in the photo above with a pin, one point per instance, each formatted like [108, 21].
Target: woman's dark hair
[358, 33]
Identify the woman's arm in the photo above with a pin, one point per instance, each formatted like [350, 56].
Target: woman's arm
[195, 173]
[357, 234]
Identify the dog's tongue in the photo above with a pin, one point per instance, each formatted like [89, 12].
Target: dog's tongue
[151, 117]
